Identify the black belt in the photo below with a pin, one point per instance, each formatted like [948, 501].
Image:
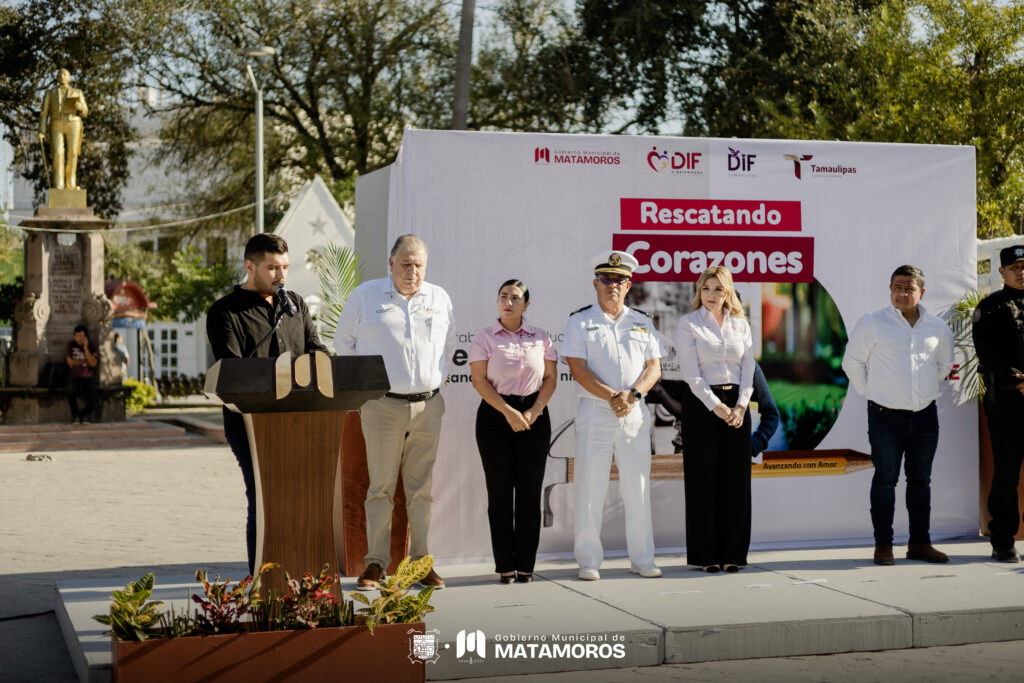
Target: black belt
[414, 398]
[723, 387]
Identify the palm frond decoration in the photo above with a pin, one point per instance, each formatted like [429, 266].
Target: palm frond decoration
[337, 267]
[960, 320]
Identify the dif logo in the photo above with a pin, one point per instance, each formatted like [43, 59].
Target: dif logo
[472, 642]
[740, 162]
[676, 161]
[541, 155]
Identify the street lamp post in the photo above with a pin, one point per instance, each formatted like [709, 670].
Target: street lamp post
[260, 52]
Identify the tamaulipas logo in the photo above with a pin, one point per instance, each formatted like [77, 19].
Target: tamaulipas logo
[819, 170]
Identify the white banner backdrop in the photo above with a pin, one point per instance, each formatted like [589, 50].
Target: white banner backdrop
[813, 231]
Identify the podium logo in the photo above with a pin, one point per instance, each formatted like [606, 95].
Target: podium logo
[541, 155]
[473, 642]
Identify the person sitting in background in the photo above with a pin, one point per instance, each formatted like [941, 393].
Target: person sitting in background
[82, 359]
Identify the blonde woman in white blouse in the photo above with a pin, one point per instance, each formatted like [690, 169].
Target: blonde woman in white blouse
[715, 348]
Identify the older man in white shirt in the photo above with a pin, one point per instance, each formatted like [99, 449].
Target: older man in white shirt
[409, 323]
[897, 358]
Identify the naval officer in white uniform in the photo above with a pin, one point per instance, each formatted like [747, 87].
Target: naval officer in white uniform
[615, 357]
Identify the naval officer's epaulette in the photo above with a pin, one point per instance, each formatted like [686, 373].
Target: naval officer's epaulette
[578, 310]
[642, 312]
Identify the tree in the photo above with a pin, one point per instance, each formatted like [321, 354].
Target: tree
[530, 72]
[928, 71]
[183, 289]
[345, 80]
[38, 37]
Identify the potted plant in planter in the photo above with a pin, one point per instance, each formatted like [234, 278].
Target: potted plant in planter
[311, 634]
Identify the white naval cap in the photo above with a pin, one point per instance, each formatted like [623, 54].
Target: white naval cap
[614, 262]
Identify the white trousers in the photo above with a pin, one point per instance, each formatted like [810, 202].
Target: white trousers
[600, 436]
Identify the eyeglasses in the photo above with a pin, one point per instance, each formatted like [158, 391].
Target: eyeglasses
[612, 281]
[904, 290]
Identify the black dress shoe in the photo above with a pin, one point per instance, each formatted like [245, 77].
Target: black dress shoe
[507, 577]
[524, 577]
[1006, 554]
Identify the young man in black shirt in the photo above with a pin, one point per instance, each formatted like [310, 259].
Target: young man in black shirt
[252, 322]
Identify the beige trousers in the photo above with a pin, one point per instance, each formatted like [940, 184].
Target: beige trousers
[401, 437]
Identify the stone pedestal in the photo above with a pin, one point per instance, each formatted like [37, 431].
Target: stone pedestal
[64, 280]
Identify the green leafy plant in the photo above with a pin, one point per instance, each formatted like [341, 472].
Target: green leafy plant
[960, 320]
[338, 269]
[222, 605]
[131, 617]
[175, 625]
[395, 605]
[141, 397]
[311, 603]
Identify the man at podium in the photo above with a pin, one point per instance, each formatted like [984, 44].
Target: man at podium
[409, 323]
[258, 319]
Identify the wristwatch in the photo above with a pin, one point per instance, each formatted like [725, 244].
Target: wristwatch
[637, 395]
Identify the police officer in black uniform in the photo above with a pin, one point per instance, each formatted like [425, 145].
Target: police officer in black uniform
[998, 333]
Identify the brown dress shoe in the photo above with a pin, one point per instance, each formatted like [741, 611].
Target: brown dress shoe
[369, 578]
[925, 551]
[883, 555]
[432, 579]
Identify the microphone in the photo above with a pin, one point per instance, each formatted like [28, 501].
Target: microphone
[286, 303]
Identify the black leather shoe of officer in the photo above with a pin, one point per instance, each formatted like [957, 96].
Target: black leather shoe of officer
[524, 577]
[1006, 554]
[369, 578]
[883, 555]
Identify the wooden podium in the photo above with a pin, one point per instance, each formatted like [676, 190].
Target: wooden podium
[295, 416]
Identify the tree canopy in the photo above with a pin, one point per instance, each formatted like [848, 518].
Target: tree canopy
[347, 76]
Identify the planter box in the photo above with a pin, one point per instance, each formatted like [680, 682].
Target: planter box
[315, 655]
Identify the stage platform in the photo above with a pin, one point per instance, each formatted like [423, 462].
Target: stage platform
[786, 602]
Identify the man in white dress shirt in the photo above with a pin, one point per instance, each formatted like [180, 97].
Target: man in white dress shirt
[615, 356]
[897, 357]
[409, 322]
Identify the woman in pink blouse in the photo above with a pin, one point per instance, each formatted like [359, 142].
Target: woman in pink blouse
[716, 355]
[513, 369]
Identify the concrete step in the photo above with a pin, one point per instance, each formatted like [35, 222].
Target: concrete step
[140, 434]
[187, 440]
[105, 433]
[65, 427]
[204, 425]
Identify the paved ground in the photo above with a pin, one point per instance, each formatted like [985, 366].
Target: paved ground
[121, 513]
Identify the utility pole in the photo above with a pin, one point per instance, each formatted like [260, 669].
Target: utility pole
[463, 67]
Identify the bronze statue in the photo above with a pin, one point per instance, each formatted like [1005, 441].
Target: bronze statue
[65, 107]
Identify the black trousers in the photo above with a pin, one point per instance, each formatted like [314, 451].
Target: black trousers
[238, 440]
[716, 470]
[514, 470]
[1004, 410]
[82, 386]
